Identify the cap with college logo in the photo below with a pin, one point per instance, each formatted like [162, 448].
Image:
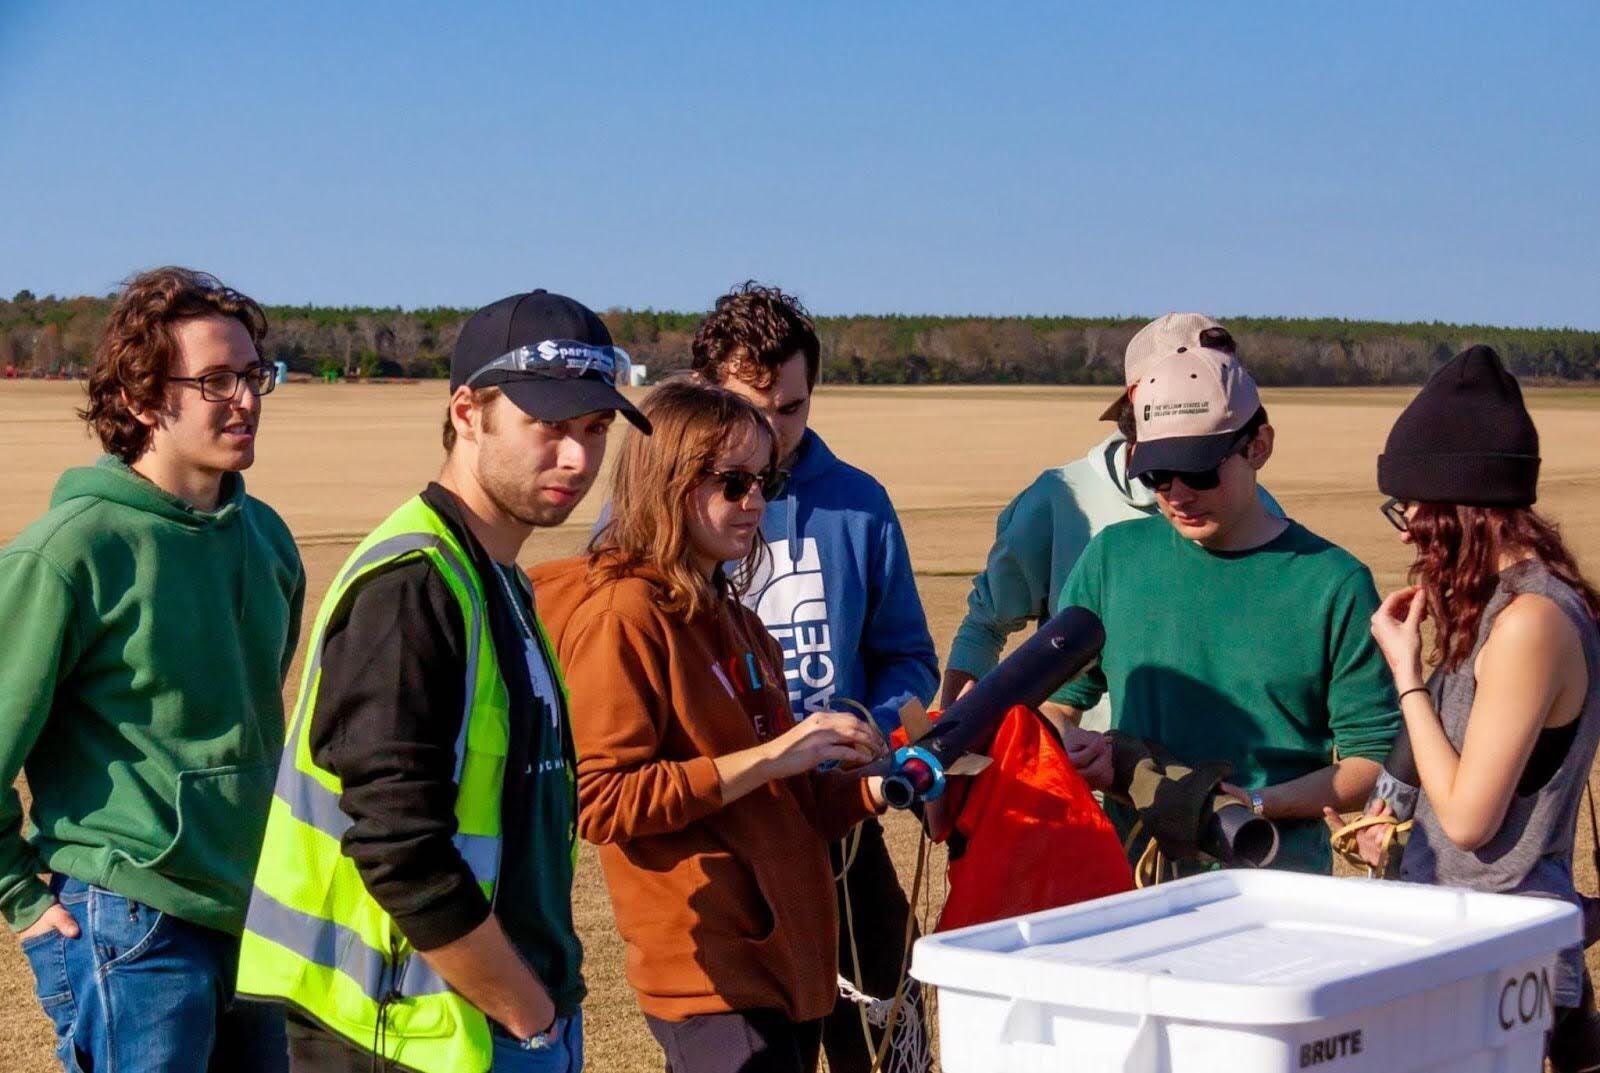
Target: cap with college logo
[1175, 333]
[549, 354]
[1189, 411]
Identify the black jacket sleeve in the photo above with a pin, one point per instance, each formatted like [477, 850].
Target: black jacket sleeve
[387, 715]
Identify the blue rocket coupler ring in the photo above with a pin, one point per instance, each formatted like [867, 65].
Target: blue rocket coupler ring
[915, 752]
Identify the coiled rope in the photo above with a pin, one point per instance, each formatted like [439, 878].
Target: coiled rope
[1344, 841]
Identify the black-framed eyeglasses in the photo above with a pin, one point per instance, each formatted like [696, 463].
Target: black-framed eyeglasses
[1395, 510]
[558, 359]
[222, 385]
[1160, 480]
[736, 483]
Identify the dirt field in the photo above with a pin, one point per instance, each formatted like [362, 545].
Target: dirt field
[335, 459]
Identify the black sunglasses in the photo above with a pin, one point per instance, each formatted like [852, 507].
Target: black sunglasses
[1395, 511]
[1204, 480]
[736, 483]
[1160, 480]
[223, 384]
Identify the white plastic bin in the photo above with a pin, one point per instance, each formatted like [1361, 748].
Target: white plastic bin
[1254, 972]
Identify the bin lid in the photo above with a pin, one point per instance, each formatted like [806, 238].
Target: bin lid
[1249, 947]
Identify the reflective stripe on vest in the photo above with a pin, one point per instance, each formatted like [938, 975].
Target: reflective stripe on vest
[313, 803]
[384, 551]
[313, 935]
[310, 801]
[332, 945]
[319, 806]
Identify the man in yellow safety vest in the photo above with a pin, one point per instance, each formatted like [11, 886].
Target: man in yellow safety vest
[413, 899]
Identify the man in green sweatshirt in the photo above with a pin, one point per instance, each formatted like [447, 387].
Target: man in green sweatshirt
[1232, 634]
[153, 613]
[1040, 534]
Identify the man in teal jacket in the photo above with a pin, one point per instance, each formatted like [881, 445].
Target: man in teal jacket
[152, 616]
[1042, 532]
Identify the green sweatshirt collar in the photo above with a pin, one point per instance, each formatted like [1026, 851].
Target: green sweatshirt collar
[111, 479]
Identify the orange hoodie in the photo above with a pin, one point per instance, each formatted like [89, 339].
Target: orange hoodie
[722, 907]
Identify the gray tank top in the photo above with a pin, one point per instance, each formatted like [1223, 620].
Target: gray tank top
[1531, 853]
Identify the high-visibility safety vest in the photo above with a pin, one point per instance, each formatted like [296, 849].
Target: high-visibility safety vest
[313, 935]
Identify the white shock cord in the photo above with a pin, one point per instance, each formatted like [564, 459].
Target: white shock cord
[905, 1047]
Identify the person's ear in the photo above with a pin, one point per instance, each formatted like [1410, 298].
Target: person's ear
[147, 418]
[1260, 448]
[465, 414]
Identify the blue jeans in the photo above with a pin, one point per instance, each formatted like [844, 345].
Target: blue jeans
[565, 1057]
[139, 990]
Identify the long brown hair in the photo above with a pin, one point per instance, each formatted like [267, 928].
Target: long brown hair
[140, 343]
[649, 523]
[1458, 563]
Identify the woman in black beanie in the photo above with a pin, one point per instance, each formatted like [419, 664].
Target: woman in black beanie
[1504, 730]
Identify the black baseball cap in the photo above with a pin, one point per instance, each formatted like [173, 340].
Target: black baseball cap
[554, 358]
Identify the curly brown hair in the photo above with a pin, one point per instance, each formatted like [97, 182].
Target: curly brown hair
[135, 355]
[1458, 566]
[752, 331]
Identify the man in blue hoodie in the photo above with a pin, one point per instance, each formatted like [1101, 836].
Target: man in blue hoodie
[838, 594]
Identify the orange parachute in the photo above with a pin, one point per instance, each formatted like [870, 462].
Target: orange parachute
[1026, 832]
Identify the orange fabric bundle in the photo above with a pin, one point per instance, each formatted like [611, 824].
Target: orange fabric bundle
[1035, 836]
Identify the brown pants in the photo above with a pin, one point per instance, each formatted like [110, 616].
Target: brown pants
[746, 1041]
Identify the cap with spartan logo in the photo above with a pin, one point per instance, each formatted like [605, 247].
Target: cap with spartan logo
[549, 354]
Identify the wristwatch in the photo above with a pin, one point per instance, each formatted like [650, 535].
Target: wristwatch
[542, 1041]
[1258, 804]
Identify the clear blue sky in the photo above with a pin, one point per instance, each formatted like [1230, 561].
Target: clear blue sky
[1410, 161]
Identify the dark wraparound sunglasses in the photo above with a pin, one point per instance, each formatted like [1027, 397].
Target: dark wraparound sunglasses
[736, 483]
[1395, 510]
[223, 384]
[1160, 480]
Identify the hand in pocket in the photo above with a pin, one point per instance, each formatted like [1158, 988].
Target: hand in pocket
[56, 918]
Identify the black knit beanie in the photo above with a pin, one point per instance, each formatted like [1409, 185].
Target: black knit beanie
[1466, 438]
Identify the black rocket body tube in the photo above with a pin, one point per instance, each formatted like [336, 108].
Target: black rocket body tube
[1235, 836]
[1057, 652]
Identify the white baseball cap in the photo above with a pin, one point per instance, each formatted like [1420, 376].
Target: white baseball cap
[1175, 333]
[1190, 410]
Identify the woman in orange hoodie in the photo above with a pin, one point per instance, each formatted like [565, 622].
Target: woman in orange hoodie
[701, 791]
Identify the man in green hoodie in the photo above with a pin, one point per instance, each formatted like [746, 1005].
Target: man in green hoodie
[154, 612]
[1042, 532]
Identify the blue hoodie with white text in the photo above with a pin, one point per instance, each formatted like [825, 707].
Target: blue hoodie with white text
[838, 594]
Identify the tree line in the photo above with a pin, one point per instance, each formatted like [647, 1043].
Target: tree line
[57, 336]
